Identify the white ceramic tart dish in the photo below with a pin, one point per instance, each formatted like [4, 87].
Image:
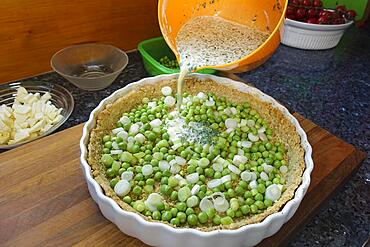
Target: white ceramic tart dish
[247, 232]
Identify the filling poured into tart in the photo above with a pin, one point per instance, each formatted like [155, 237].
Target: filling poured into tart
[223, 160]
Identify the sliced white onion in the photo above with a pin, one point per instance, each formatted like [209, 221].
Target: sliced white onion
[233, 111]
[283, 169]
[122, 188]
[246, 144]
[233, 169]
[253, 138]
[115, 145]
[163, 165]
[273, 192]
[116, 130]
[231, 123]
[195, 189]
[175, 169]
[182, 181]
[127, 175]
[116, 151]
[214, 183]
[202, 96]
[125, 120]
[172, 162]
[218, 167]
[147, 170]
[251, 123]
[264, 176]
[227, 111]
[203, 162]
[139, 138]
[209, 103]
[262, 136]
[176, 146]
[205, 204]
[240, 151]
[193, 178]
[134, 129]
[192, 201]
[246, 176]
[267, 168]
[122, 134]
[254, 176]
[184, 193]
[152, 104]
[229, 130]
[166, 90]
[225, 178]
[180, 160]
[169, 101]
[261, 130]
[220, 204]
[155, 123]
[239, 159]
[152, 201]
[253, 184]
[243, 123]
[130, 139]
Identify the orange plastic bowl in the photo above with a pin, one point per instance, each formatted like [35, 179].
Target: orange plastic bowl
[267, 15]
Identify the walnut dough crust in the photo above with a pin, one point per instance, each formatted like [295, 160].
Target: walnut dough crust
[284, 132]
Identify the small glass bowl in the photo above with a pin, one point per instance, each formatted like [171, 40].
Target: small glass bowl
[89, 66]
[60, 97]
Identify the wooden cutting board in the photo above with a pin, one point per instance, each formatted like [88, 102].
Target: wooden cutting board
[44, 199]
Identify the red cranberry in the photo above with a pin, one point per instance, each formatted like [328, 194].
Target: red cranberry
[311, 13]
[317, 3]
[351, 13]
[296, 2]
[292, 17]
[312, 21]
[307, 3]
[323, 20]
[290, 10]
[341, 9]
[300, 14]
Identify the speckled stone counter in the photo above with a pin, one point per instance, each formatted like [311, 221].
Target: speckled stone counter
[332, 88]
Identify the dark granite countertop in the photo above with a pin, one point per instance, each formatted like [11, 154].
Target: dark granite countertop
[332, 88]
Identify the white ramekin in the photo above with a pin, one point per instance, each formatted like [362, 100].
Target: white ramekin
[312, 36]
[159, 234]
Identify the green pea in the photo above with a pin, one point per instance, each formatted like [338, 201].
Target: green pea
[181, 206]
[260, 204]
[136, 190]
[230, 213]
[192, 219]
[174, 196]
[166, 216]
[106, 138]
[202, 217]
[175, 222]
[189, 211]
[113, 182]
[268, 202]
[160, 206]
[254, 208]
[166, 189]
[107, 160]
[127, 199]
[110, 173]
[245, 209]
[227, 220]
[181, 216]
[216, 220]
[156, 215]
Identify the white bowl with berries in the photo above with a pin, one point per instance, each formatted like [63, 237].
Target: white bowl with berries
[308, 25]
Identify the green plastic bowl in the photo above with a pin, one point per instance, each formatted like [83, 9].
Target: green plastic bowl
[154, 49]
